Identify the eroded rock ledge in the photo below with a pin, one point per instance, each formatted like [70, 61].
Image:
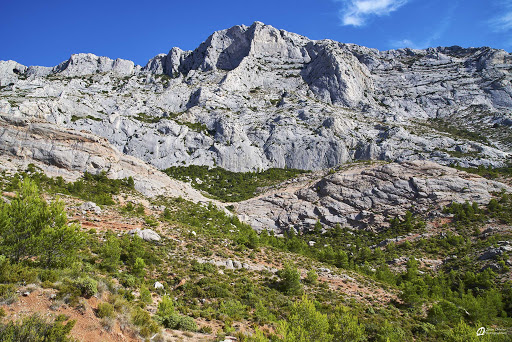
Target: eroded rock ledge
[362, 197]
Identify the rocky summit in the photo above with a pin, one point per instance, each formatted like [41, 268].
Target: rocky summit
[254, 97]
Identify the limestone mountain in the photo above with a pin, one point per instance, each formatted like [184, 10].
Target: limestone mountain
[255, 97]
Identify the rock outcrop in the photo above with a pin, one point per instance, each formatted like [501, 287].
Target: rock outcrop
[365, 196]
[67, 153]
[255, 97]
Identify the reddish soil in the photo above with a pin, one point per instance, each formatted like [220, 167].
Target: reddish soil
[88, 327]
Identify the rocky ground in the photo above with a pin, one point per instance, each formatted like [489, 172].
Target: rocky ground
[365, 196]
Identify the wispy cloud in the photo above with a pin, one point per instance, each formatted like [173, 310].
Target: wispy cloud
[503, 22]
[357, 12]
[403, 43]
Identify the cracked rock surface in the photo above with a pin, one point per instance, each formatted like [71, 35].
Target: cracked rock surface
[364, 196]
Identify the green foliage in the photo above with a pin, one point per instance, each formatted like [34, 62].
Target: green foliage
[489, 171]
[35, 328]
[444, 311]
[14, 273]
[305, 324]
[165, 307]
[169, 318]
[262, 314]
[233, 309]
[443, 126]
[463, 332]
[110, 253]
[390, 332]
[196, 126]
[345, 326]
[139, 268]
[88, 287]
[7, 292]
[142, 319]
[145, 295]
[180, 322]
[29, 227]
[290, 280]
[230, 186]
[465, 213]
[143, 117]
[105, 310]
[405, 225]
[96, 188]
[312, 277]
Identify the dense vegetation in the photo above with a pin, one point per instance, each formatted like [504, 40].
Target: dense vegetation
[488, 172]
[229, 186]
[35, 328]
[97, 188]
[444, 304]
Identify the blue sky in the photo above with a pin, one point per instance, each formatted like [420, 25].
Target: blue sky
[48, 32]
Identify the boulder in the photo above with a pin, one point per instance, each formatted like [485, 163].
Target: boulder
[90, 206]
[145, 234]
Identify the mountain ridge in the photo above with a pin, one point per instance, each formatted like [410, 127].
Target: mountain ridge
[255, 97]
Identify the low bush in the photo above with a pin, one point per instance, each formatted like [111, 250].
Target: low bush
[35, 328]
[105, 310]
[88, 286]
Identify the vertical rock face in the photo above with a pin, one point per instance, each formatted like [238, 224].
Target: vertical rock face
[255, 97]
[336, 76]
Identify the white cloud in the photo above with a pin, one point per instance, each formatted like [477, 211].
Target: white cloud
[503, 23]
[356, 12]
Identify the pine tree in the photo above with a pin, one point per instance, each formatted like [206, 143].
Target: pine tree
[30, 227]
[305, 324]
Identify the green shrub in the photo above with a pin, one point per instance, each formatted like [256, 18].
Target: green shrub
[312, 277]
[88, 286]
[110, 253]
[7, 293]
[14, 273]
[233, 309]
[105, 310]
[35, 328]
[143, 320]
[138, 268]
[345, 327]
[30, 227]
[230, 186]
[145, 295]
[290, 280]
[390, 332]
[179, 322]
[170, 319]
[305, 324]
